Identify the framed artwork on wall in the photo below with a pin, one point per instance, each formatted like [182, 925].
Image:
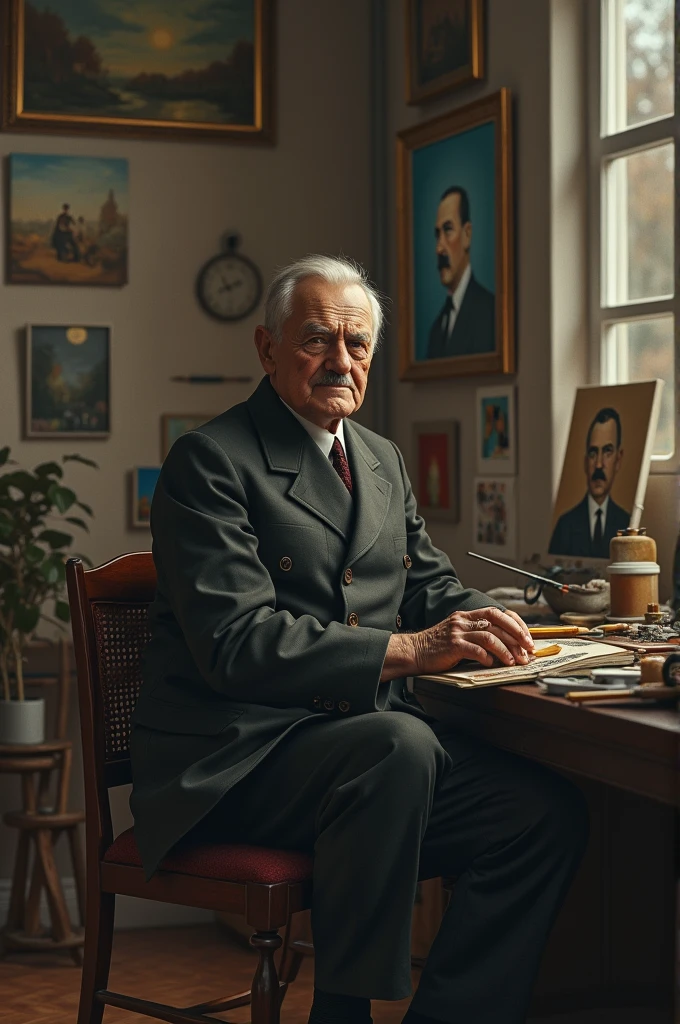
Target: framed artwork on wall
[455, 243]
[185, 70]
[144, 480]
[496, 430]
[68, 371]
[437, 470]
[68, 220]
[173, 425]
[494, 525]
[444, 46]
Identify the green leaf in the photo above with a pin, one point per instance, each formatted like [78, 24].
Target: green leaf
[80, 458]
[4, 455]
[61, 497]
[6, 527]
[62, 611]
[26, 618]
[55, 538]
[33, 554]
[49, 469]
[50, 571]
[23, 481]
[85, 508]
[77, 522]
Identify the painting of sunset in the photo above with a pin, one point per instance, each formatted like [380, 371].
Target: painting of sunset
[150, 62]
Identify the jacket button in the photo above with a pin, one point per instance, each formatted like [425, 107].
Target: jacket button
[329, 704]
[316, 702]
[407, 562]
[398, 621]
[286, 563]
[353, 619]
[347, 576]
[343, 705]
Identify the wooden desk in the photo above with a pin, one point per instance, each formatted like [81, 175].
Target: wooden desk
[614, 944]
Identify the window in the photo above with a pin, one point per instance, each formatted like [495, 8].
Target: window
[633, 190]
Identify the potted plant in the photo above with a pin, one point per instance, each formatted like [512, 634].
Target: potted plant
[32, 573]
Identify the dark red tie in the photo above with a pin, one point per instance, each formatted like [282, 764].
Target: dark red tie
[340, 464]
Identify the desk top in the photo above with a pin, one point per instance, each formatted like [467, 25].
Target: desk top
[634, 746]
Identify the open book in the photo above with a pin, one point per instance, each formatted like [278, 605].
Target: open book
[576, 657]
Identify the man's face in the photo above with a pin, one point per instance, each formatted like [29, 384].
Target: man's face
[452, 242]
[602, 460]
[320, 366]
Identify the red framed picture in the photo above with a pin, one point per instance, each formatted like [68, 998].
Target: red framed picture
[437, 470]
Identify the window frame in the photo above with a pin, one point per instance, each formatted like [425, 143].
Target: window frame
[602, 149]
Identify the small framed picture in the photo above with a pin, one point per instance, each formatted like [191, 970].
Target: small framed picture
[494, 526]
[144, 480]
[437, 469]
[173, 425]
[68, 375]
[496, 430]
[444, 46]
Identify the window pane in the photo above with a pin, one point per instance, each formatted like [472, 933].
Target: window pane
[643, 350]
[638, 43]
[638, 226]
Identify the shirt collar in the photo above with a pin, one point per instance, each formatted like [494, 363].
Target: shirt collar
[319, 435]
[459, 293]
[593, 507]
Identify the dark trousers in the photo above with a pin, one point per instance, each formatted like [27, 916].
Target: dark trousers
[385, 799]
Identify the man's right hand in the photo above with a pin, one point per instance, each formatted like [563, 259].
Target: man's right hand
[481, 635]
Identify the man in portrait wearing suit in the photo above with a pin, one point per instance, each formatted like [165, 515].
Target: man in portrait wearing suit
[585, 530]
[466, 323]
[297, 591]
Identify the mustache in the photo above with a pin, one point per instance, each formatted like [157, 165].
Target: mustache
[338, 380]
[598, 474]
[443, 261]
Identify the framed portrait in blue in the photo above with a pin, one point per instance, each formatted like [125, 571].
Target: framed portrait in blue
[455, 243]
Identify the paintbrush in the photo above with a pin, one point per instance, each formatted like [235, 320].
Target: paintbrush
[564, 587]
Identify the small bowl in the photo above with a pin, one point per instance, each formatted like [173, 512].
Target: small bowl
[585, 599]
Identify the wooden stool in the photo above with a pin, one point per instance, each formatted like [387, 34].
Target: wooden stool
[41, 823]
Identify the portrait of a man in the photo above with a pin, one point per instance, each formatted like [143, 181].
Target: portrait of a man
[605, 468]
[465, 325]
[586, 529]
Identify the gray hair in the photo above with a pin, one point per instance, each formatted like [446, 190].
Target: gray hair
[334, 269]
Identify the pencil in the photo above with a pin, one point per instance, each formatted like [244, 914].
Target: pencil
[545, 652]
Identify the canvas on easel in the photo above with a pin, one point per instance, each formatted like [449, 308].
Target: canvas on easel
[605, 469]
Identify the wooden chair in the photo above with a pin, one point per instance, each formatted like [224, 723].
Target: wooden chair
[109, 613]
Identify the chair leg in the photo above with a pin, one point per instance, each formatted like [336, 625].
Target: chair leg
[266, 999]
[97, 956]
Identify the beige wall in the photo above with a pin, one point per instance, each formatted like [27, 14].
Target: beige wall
[308, 192]
[536, 49]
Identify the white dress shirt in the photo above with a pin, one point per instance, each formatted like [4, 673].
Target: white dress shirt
[320, 435]
[458, 296]
[592, 513]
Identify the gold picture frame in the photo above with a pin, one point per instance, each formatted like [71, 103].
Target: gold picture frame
[435, 66]
[16, 116]
[450, 159]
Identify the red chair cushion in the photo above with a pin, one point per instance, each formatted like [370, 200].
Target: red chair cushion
[228, 862]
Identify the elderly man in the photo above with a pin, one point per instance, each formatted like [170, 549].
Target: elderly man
[297, 589]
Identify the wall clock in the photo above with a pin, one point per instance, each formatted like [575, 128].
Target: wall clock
[229, 286]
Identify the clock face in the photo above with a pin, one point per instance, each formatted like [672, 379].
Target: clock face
[229, 287]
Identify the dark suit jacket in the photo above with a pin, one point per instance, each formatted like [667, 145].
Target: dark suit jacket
[571, 535]
[474, 331]
[253, 534]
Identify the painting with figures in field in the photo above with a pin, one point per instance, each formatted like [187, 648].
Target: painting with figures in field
[142, 66]
[68, 220]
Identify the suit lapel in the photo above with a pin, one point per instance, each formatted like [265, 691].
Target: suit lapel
[289, 449]
[371, 494]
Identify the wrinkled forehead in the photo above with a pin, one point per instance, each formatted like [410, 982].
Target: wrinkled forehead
[603, 434]
[315, 301]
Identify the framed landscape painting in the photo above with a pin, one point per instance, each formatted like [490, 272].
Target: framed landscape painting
[455, 243]
[444, 46]
[68, 220]
[67, 381]
[144, 480]
[187, 69]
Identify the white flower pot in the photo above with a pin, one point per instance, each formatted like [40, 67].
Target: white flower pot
[22, 721]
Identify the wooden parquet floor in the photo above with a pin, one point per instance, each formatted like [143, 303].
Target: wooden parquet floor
[171, 965]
